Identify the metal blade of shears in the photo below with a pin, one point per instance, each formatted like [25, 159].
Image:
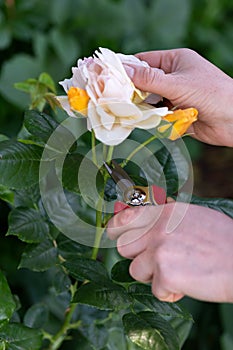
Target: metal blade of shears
[121, 178]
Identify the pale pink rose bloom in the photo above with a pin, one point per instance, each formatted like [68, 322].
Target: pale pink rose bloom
[116, 106]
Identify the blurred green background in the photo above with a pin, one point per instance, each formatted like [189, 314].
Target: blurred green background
[42, 35]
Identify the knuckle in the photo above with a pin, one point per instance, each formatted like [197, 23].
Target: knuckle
[149, 76]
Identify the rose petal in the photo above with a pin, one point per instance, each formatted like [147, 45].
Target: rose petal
[78, 79]
[66, 84]
[107, 119]
[125, 109]
[114, 137]
[63, 100]
[112, 60]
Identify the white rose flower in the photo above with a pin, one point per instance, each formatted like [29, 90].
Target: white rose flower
[101, 90]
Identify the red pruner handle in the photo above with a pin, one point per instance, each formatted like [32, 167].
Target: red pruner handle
[159, 195]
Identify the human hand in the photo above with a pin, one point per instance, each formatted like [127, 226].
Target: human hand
[195, 259]
[188, 80]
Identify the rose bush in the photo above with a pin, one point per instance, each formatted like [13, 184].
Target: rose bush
[101, 90]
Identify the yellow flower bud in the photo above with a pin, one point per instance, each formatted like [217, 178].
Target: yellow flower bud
[181, 120]
[78, 99]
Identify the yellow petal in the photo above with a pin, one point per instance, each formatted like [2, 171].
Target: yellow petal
[78, 99]
[181, 120]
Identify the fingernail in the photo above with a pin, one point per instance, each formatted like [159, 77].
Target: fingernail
[129, 70]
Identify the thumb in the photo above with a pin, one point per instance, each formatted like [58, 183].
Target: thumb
[153, 80]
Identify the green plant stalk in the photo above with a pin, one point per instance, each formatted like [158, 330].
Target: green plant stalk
[94, 158]
[137, 149]
[61, 335]
[99, 229]
[110, 153]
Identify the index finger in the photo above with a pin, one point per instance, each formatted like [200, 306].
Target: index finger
[159, 59]
[135, 221]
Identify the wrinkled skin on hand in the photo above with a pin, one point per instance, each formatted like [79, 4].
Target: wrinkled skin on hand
[194, 259]
[188, 80]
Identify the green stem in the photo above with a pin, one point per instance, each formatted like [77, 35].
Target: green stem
[137, 149]
[93, 147]
[99, 229]
[110, 153]
[60, 336]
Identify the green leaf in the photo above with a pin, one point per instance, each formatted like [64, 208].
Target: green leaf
[120, 271]
[6, 194]
[19, 164]
[143, 294]
[182, 328]
[18, 337]
[59, 280]
[88, 269]
[150, 331]
[167, 168]
[18, 68]
[97, 335]
[47, 80]
[3, 138]
[36, 316]
[79, 172]
[70, 249]
[27, 197]
[111, 297]
[62, 44]
[39, 257]
[28, 225]
[25, 86]
[5, 37]
[226, 341]
[70, 172]
[7, 303]
[223, 205]
[39, 124]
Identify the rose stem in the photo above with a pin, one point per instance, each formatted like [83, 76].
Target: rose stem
[93, 147]
[137, 149]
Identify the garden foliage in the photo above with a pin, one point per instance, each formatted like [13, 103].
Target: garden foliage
[54, 295]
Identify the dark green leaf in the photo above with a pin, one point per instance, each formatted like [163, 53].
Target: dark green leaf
[182, 328]
[117, 339]
[7, 303]
[168, 168]
[28, 225]
[81, 173]
[150, 331]
[70, 172]
[97, 335]
[70, 249]
[39, 257]
[120, 272]
[19, 337]
[88, 269]
[59, 280]
[27, 197]
[143, 294]
[39, 124]
[19, 164]
[223, 205]
[111, 297]
[36, 316]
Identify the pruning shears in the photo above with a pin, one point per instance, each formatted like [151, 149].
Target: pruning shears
[133, 195]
